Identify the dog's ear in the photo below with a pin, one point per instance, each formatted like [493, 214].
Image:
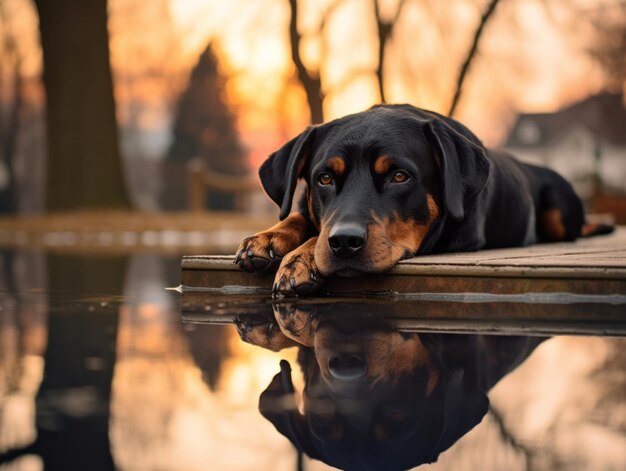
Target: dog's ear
[280, 172]
[465, 405]
[464, 166]
[278, 405]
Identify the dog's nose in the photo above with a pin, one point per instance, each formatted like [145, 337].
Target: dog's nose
[347, 366]
[347, 240]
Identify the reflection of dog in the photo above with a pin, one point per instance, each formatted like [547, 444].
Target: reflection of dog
[396, 181]
[376, 398]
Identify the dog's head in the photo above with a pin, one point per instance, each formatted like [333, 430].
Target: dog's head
[377, 182]
[374, 398]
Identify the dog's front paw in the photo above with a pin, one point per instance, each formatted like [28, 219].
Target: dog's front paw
[263, 251]
[298, 274]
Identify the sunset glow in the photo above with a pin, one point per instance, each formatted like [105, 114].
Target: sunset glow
[532, 58]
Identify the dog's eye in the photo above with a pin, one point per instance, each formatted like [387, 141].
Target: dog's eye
[325, 179]
[400, 177]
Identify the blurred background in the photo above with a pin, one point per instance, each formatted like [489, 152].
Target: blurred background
[131, 132]
[171, 105]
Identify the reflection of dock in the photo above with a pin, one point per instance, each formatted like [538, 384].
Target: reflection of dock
[569, 288]
[546, 314]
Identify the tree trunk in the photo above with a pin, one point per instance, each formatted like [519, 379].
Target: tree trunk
[84, 164]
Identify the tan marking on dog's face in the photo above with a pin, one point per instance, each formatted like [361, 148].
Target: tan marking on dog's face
[312, 216]
[551, 225]
[382, 165]
[388, 240]
[337, 165]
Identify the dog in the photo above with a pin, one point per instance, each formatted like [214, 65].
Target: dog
[375, 398]
[394, 182]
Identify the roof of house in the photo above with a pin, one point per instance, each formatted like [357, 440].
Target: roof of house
[603, 115]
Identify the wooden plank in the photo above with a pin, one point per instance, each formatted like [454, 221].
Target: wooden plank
[588, 266]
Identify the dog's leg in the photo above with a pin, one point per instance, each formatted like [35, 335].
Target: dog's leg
[560, 216]
[263, 251]
[298, 273]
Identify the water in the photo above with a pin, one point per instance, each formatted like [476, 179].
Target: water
[99, 371]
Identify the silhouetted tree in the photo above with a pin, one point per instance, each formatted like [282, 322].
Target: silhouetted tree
[84, 164]
[204, 129]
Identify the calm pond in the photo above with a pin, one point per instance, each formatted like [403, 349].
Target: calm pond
[102, 367]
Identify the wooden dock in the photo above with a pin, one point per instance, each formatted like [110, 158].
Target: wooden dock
[594, 266]
[555, 289]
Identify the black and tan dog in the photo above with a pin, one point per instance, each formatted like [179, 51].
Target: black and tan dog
[376, 398]
[394, 182]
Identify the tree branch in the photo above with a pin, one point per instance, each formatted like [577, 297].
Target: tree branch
[471, 54]
[312, 84]
[385, 30]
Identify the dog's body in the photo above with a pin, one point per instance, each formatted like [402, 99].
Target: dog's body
[394, 182]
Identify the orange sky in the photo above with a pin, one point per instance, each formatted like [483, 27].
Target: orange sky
[531, 59]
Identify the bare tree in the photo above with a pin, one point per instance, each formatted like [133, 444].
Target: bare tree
[471, 54]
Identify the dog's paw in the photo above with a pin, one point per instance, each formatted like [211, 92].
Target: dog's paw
[298, 274]
[264, 251]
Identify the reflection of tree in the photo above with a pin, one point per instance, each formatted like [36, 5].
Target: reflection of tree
[72, 405]
[23, 337]
[73, 401]
[84, 165]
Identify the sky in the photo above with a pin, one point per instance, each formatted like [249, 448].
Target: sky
[532, 58]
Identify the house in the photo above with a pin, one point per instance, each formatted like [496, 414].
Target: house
[585, 142]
